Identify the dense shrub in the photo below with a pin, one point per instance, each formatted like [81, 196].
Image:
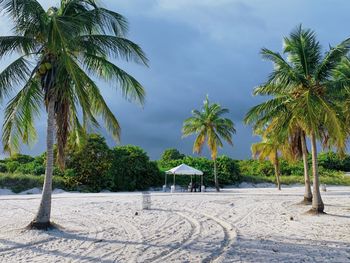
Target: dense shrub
[171, 155]
[20, 158]
[132, 170]
[296, 168]
[265, 168]
[228, 170]
[33, 168]
[333, 161]
[90, 165]
[256, 168]
[3, 168]
[12, 166]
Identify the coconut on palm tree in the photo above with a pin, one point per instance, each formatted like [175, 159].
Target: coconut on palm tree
[62, 51]
[210, 126]
[306, 79]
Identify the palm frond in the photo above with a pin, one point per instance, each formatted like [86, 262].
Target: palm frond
[28, 15]
[108, 71]
[304, 51]
[111, 46]
[332, 59]
[19, 44]
[14, 75]
[19, 117]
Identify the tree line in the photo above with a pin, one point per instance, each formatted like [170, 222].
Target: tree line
[95, 167]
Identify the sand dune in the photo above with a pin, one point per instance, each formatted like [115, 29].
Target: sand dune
[236, 225]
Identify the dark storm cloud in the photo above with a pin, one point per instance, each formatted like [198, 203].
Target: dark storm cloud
[199, 47]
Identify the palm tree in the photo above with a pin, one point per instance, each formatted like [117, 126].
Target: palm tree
[268, 149]
[280, 109]
[59, 49]
[274, 144]
[307, 80]
[210, 126]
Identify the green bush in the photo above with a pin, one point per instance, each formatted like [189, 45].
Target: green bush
[3, 168]
[33, 168]
[256, 168]
[171, 155]
[228, 170]
[90, 165]
[12, 166]
[20, 158]
[70, 179]
[132, 170]
[333, 161]
[265, 168]
[292, 168]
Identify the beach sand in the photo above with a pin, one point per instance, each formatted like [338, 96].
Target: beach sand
[235, 225]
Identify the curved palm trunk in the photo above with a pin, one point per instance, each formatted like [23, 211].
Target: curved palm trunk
[307, 193]
[276, 164]
[216, 177]
[42, 218]
[317, 204]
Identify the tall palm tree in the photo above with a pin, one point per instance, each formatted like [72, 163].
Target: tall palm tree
[307, 78]
[210, 126]
[60, 50]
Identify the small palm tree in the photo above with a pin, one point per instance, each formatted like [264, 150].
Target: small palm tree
[210, 126]
[273, 145]
[60, 50]
[280, 109]
[268, 149]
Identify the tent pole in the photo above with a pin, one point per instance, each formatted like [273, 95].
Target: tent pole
[195, 182]
[174, 179]
[191, 183]
[166, 175]
[201, 182]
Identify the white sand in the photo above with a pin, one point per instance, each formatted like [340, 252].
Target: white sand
[236, 225]
[33, 191]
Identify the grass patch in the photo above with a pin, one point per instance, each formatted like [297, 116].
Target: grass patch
[21, 182]
[334, 178]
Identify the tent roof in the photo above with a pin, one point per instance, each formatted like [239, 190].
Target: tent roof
[184, 170]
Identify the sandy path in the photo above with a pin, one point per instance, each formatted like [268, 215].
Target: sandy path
[236, 225]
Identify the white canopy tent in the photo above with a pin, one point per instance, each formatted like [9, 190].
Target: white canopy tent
[183, 169]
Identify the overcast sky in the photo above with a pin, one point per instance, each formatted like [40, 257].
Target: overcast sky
[199, 47]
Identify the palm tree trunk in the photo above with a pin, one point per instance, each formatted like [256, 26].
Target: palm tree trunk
[277, 172]
[42, 218]
[307, 193]
[216, 177]
[317, 204]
